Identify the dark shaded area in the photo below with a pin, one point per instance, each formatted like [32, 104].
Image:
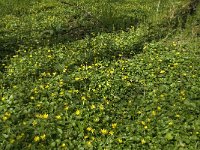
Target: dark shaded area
[84, 24]
[181, 16]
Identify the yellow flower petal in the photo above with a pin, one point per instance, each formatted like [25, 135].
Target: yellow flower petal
[43, 137]
[36, 138]
[114, 125]
[143, 141]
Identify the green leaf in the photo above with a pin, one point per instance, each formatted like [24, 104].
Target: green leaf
[53, 144]
[169, 136]
[5, 135]
[59, 130]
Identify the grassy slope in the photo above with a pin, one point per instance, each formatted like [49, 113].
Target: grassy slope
[96, 93]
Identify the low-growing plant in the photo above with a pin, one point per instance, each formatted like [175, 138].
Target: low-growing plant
[134, 89]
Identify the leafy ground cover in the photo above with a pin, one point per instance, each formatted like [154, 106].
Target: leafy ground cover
[136, 88]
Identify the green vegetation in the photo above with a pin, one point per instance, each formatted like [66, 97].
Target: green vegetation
[85, 74]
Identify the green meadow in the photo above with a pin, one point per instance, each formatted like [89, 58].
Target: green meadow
[102, 75]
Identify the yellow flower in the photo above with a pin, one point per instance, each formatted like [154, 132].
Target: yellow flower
[104, 131]
[3, 98]
[162, 71]
[153, 113]
[61, 83]
[32, 98]
[114, 125]
[36, 138]
[15, 56]
[34, 123]
[42, 86]
[63, 145]
[139, 112]
[66, 107]
[101, 107]
[175, 64]
[111, 71]
[89, 129]
[111, 132]
[182, 93]
[53, 94]
[86, 136]
[89, 143]
[64, 70]
[170, 123]
[143, 123]
[58, 117]
[93, 106]
[37, 116]
[159, 108]
[89, 67]
[92, 130]
[124, 77]
[43, 137]
[45, 116]
[143, 141]
[145, 127]
[7, 114]
[35, 91]
[107, 102]
[174, 44]
[47, 86]
[145, 47]
[162, 95]
[83, 98]
[43, 74]
[5, 118]
[76, 79]
[61, 93]
[119, 140]
[184, 74]
[78, 112]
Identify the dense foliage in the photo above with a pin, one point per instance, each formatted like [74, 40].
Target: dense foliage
[100, 75]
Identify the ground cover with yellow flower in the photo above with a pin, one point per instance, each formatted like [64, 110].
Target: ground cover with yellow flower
[137, 89]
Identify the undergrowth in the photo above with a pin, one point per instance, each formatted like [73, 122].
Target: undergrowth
[82, 76]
